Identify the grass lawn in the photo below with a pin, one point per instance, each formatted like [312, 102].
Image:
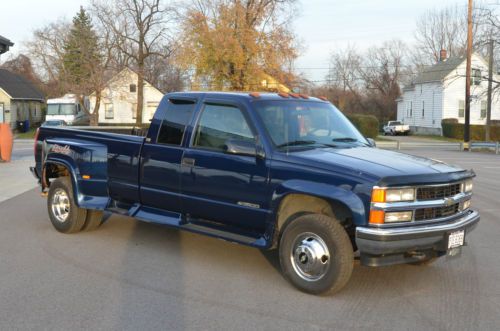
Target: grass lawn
[26, 135]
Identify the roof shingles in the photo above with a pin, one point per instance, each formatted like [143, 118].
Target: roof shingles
[439, 71]
[18, 87]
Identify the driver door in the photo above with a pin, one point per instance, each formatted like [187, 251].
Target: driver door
[222, 187]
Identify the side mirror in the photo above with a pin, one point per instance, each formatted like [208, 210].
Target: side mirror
[371, 142]
[240, 147]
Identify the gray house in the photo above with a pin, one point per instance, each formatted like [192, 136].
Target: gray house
[20, 100]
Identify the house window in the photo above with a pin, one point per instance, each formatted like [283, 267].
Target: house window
[108, 111]
[134, 110]
[132, 88]
[475, 78]
[411, 108]
[423, 109]
[484, 104]
[461, 108]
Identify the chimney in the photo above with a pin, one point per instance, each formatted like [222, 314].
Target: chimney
[443, 55]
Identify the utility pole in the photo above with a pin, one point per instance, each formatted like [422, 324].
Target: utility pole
[467, 77]
[490, 88]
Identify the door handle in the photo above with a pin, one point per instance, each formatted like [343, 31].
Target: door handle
[187, 161]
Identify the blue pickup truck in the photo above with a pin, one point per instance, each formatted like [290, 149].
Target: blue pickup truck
[273, 171]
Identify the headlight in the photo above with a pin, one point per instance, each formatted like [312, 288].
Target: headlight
[468, 186]
[400, 216]
[393, 195]
[466, 205]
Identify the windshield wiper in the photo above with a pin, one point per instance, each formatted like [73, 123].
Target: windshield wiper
[345, 139]
[297, 143]
[349, 140]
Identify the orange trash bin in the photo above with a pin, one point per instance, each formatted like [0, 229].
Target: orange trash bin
[6, 142]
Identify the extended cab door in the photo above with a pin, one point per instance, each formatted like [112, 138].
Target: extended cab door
[162, 154]
[219, 186]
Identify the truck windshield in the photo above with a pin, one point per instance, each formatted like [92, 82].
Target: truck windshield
[305, 123]
[61, 109]
[52, 109]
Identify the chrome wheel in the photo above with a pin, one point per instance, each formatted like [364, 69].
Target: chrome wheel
[60, 205]
[310, 256]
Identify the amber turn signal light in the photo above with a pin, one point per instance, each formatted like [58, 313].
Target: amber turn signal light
[378, 195]
[377, 217]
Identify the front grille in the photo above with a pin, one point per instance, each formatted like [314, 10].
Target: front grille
[438, 192]
[436, 212]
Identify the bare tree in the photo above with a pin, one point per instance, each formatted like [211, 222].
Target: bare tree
[440, 29]
[141, 30]
[382, 73]
[46, 50]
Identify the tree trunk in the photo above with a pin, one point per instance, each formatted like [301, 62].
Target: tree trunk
[140, 92]
[94, 117]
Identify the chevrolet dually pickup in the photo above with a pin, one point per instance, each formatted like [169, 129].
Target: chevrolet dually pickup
[273, 171]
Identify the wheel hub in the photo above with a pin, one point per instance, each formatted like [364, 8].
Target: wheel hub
[60, 205]
[310, 256]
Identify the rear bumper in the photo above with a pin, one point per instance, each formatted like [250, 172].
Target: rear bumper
[391, 245]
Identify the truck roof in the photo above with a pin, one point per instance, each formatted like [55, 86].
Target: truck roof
[248, 95]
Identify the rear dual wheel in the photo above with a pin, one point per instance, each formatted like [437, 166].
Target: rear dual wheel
[316, 254]
[64, 213]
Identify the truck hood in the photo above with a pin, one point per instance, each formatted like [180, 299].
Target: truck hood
[386, 166]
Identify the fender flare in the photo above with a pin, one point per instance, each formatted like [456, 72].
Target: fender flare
[72, 173]
[340, 194]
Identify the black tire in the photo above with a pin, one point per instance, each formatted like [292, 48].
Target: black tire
[339, 263]
[93, 220]
[64, 214]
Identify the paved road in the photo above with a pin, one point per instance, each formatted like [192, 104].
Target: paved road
[22, 149]
[15, 177]
[132, 275]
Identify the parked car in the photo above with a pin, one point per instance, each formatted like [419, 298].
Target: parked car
[266, 170]
[394, 128]
[54, 123]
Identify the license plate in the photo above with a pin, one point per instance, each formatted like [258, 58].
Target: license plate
[456, 239]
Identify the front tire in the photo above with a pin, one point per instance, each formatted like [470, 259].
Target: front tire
[64, 214]
[316, 254]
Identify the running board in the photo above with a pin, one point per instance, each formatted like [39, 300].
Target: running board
[225, 235]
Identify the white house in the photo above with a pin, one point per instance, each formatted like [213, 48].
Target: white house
[439, 92]
[119, 99]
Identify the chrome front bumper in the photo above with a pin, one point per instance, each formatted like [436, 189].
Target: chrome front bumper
[383, 242]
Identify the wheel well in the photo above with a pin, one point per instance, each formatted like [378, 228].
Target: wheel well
[295, 205]
[53, 170]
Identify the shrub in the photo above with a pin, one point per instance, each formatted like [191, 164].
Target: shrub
[368, 125]
[453, 129]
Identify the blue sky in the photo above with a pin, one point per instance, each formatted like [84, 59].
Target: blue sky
[322, 25]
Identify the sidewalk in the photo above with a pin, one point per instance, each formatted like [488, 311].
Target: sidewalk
[15, 178]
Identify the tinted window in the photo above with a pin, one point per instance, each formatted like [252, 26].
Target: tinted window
[220, 123]
[174, 123]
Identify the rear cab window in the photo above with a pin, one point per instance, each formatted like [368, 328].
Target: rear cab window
[174, 121]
